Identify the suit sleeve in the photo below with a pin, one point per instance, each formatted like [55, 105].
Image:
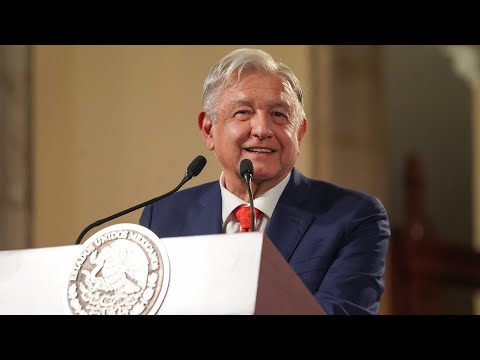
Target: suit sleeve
[146, 217]
[354, 282]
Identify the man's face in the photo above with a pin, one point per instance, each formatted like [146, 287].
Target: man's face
[255, 121]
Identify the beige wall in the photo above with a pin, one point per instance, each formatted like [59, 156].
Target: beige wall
[116, 125]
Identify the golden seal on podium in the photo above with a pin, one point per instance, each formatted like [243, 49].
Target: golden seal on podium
[122, 270]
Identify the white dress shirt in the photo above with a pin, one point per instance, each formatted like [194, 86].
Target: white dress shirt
[265, 203]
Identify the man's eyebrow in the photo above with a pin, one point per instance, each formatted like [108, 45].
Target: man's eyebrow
[249, 103]
[280, 104]
[240, 102]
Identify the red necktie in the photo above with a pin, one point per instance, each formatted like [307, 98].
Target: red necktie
[243, 215]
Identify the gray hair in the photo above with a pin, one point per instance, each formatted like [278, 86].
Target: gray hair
[247, 59]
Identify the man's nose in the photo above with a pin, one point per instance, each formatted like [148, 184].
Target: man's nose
[261, 126]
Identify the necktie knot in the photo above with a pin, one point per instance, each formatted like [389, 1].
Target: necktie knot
[242, 213]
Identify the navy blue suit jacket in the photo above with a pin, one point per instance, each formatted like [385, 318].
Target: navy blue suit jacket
[334, 238]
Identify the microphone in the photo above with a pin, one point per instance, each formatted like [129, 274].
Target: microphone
[195, 167]
[246, 172]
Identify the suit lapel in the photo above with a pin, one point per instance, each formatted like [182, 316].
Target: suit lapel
[286, 228]
[289, 220]
[207, 213]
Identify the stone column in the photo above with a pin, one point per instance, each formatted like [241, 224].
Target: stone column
[348, 117]
[15, 125]
[466, 63]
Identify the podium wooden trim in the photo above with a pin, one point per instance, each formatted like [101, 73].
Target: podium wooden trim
[280, 290]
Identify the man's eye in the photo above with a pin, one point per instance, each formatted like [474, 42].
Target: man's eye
[242, 114]
[279, 117]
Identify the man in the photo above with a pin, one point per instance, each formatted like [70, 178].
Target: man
[335, 239]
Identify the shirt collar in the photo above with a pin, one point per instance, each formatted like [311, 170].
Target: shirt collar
[265, 203]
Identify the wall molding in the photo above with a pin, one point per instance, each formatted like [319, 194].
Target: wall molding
[15, 147]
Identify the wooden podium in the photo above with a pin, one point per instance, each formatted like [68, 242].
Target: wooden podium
[209, 275]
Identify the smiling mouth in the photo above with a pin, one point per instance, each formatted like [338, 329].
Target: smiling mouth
[260, 150]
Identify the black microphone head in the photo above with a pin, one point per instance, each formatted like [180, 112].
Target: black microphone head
[246, 166]
[197, 165]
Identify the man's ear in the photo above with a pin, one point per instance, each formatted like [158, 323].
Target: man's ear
[206, 128]
[302, 130]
